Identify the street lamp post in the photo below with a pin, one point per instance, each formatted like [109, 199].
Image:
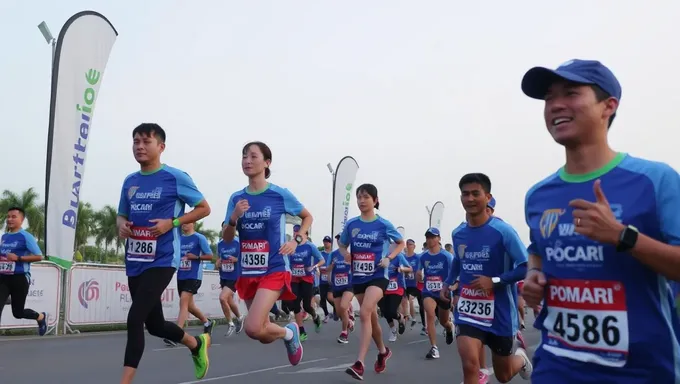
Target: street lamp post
[45, 30]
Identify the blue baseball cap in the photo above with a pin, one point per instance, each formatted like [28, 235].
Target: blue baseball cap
[538, 80]
[327, 239]
[492, 203]
[432, 232]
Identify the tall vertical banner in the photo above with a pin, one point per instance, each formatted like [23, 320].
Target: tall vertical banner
[437, 215]
[81, 55]
[402, 231]
[343, 190]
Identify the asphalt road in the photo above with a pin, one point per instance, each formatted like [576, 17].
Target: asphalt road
[97, 358]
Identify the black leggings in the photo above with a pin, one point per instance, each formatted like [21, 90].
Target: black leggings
[413, 291]
[389, 306]
[304, 292]
[324, 289]
[146, 290]
[17, 287]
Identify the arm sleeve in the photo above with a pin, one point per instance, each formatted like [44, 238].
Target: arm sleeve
[403, 262]
[187, 190]
[668, 204]
[123, 204]
[454, 271]
[392, 232]
[230, 208]
[205, 247]
[316, 254]
[344, 236]
[291, 204]
[32, 245]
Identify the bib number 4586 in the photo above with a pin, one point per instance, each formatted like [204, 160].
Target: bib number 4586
[575, 327]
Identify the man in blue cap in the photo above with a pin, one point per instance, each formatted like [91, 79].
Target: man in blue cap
[600, 263]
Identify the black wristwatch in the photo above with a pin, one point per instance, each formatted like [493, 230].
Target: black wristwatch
[627, 239]
[298, 239]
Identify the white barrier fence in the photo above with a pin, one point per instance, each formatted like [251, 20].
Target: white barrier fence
[99, 295]
[44, 295]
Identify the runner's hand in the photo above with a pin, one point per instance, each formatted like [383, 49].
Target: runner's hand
[596, 220]
[288, 248]
[241, 207]
[12, 257]
[385, 262]
[233, 259]
[162, 226]
[191, 256]
[534, 288]
[218, 263]
[445, 293]
[482, 282]
[124, 231]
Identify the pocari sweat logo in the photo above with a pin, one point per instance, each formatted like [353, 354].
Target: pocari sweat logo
[88, 291]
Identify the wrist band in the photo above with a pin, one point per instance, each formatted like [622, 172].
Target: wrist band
[175, 222]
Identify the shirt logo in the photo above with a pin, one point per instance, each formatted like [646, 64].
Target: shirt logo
[549, 221]
[355, 232]
[131, 192]
[461, 250]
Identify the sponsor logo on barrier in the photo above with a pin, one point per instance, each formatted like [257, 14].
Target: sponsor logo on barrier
[88, 291]
[44, 294]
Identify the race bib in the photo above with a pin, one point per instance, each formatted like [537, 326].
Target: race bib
[141, 245]
[392, 285]
[7, 267]
[298, 270]
[227, 267]
[254, 256]
[363, 264]
[476, 306]
[185, 265]
[410, 276]
[341, 279]
[587, 320]
[324, 275]
[433, 283]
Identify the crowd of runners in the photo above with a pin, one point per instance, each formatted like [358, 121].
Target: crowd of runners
[603, 255]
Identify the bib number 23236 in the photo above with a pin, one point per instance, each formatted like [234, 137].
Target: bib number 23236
[587, 321]
[7, 267]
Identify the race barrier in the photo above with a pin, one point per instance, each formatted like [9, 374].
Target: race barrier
[98, 294]
[44, 295]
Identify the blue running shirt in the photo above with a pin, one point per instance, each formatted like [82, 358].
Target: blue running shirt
[397, 281]
[607, 317]
[436, 268]
[414, 262]
[197, 245]
[20, 243]
[304, 257]
[491, 250]
[262, 229]
[229, 270]
[369, 242]
[324, 268]
[145, 196]
[341, 274]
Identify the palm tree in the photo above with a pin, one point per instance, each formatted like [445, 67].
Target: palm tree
[107, 229]
[28, 200]
[86, 226]
[210, 235]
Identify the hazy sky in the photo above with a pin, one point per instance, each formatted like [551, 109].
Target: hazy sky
[419, 92]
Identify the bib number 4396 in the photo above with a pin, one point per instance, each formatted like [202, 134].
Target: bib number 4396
[254, 256]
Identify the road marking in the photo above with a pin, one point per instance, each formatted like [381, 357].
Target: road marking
[337, 368]
[418, 341]
[250, 372]
[489, 371]
[169, 348]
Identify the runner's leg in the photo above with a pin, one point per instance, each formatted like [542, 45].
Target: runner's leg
[257, 325]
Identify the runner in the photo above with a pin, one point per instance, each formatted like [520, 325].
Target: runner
[487, 248]
[369, 236]
[195, 249]
[150, 212]
[394, 292]
[435, 265]
[228, 265]
[604, 233]
[18, 249]
[324, 288]
[259, 212]
[304, 264]
[412, 290]
[340, 278]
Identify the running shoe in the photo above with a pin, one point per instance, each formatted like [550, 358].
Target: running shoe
[449, 336]
[393, 336]
[303, 336]
[42, 325]
[525, 373]
[294, 346]
[317, 323]
[231, 328]
[169, 343]
[402, 326]
[483, 377]
[200, 358]
[209, 328]
[342, 339]
[356, 370]
[239, 323]
[381, 363]
[433, 353]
